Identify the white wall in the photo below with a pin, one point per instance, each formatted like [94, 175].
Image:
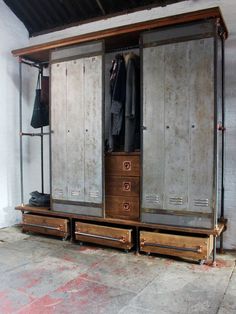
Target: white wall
[228, 8]
[12, 34]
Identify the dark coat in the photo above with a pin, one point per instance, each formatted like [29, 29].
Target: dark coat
[132, 103]
[117, 92]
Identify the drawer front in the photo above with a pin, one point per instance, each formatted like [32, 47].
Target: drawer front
[122, 186]
[122, 165]
[198, 248]
[121, 207]
[46, 225]
[109, 236]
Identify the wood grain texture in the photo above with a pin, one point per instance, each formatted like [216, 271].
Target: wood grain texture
[176, 245]
[122, 186]
[109, 236]
[122, 207]
[46, 225]
[46, 211]
[122, 165]
[40, 49]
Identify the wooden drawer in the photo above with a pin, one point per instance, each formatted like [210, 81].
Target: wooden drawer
[122, 186]
[121, 207]
[109, 236]
[46, 225]
[122, 165]
[197, 248]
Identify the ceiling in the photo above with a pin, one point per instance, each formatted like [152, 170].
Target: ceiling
[49, 15]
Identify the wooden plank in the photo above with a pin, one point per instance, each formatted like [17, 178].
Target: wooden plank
[46, 225]
[122, 207]
[122, 165]
[176, 245]
[110, 236]
[47, 211]
[122, 186]
[171, 20]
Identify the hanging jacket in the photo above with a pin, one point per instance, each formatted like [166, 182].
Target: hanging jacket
[117, 93]
[132, 103]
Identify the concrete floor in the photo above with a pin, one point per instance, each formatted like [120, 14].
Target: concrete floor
[39, 274]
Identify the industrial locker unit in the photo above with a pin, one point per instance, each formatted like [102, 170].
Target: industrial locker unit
[166, 197]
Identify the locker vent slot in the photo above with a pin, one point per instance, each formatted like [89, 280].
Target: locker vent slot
[58, 191]
[75, 193]
[94, 194]
[152, 199]
[201, 202]
[176, 200]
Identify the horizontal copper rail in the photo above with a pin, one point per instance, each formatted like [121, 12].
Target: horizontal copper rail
[43, 226]
[122, 239]
[176, 248]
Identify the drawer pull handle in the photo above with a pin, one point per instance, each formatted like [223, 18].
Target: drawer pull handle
[43, 226]
[122, 239]
[126, 206]
[126, 186]
[127, 165]
[176, 248]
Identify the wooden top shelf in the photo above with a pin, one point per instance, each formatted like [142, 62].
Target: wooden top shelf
[40, 52]
[46, 211]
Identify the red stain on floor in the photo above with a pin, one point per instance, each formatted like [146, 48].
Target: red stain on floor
[208, 266]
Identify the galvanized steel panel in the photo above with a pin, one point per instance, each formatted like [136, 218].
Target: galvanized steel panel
[201, 96]
[176, 127]
[58, 127]
[75, 130]
[178, 154]
[179, 33]
[76, 51]
[177, 220]
[93, 112]
[77, 209]
[153, 121]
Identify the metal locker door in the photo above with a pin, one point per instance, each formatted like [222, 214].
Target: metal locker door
[153, 133]
[178, 177]
[82, 117]
[58, 128]
[176, 127]
[75, 130]
[201, 93]
[93, 112]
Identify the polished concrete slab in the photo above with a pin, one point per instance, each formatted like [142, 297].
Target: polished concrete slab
[40, 274]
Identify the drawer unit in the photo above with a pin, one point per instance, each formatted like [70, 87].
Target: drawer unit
[122, 207]
[122, 186]
[122, 165]
[192, 247]
[115, 237]
[46, 225]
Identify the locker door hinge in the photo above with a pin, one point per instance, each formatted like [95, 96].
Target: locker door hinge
[66, 72]
[84, 68]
